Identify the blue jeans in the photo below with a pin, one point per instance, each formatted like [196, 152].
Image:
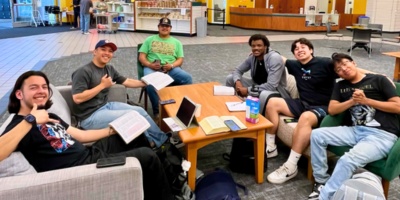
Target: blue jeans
[180, 77]
[85, 20]
[112, 110]
[369, 144]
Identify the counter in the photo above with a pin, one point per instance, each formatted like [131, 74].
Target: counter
[263, 18]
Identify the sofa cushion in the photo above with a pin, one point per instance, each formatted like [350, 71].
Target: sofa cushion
[14, 165]
[291, 86]
[60, 106]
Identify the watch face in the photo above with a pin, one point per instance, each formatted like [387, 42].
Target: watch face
[30, 118]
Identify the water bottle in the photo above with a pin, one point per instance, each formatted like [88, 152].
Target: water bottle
[253, 105]
[254, 91]
[182, 178]
[271, 6]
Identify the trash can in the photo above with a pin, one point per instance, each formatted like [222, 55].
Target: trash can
[201, 26]
[363, 20]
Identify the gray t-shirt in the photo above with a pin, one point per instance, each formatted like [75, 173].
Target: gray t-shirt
[88, 77]
[85, 6]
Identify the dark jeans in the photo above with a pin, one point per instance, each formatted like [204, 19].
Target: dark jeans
[76, 15]
[155, 183]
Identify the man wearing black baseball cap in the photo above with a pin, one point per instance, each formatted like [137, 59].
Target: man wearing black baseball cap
[90, 87]
[162, 52]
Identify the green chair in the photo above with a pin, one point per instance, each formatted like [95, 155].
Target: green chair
[388, 168]
[140, 73]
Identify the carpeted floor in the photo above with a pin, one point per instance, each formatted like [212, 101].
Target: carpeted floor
[212, 63]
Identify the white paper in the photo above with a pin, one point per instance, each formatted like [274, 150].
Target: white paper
[172, 124]
[64, 14]
[158, 80]
[236, 106]
[130, 125]
[220, 90]
[183, 11]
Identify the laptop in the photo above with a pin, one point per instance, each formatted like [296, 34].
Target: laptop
[184, 117]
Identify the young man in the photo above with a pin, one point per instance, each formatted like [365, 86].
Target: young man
[266, 69]
[373, 104]
[76, 5]
[163, 53]
[315, 79]
[90, 87]
[48, 143]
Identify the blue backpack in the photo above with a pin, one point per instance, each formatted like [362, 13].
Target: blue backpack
[217, 185]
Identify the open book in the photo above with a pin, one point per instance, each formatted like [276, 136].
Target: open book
[158, 80]
[215, 124]
[220, 90]
[130, 125]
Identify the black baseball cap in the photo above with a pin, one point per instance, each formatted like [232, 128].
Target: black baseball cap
[103, 43]
[165, 21]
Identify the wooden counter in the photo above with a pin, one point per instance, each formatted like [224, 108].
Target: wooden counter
[263, 18]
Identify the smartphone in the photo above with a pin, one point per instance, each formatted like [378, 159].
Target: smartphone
[112, 161]
[232, 125]
[169, 101]
[292, 120]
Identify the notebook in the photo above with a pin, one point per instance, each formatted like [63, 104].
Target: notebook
[184, 117]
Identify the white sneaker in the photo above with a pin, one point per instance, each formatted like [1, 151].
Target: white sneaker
[316, 191]
[86, 33]
[281, 175]
[272, 151]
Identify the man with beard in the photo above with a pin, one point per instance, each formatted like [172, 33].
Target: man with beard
[266, 69]
[374, 105]
[48, 143]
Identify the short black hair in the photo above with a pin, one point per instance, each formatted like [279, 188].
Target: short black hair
[338, 57]
[14, 103]
[302, 41]
[259, 37]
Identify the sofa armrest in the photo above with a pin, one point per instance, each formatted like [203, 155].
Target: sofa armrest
[392, 167]
[332, 120]
[81, 182]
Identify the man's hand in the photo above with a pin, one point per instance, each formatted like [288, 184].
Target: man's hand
[42, 116]
[106, 81]
[167, 67]
[155, 66]
[359, 97]
[240, 90]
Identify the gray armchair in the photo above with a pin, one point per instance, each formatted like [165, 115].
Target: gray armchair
[82, 182]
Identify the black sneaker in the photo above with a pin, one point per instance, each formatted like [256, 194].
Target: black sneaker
[316, 191]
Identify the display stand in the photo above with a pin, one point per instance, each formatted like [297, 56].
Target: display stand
[107, 24]
[125, 12]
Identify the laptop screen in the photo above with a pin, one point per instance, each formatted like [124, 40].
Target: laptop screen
[186, 111]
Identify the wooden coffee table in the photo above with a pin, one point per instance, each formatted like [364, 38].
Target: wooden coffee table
[194, 138]
[396, 74]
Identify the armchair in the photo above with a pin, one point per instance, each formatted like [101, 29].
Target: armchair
[81, 182]
[387, 168]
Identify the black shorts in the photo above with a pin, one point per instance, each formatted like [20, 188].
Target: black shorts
[297, 107]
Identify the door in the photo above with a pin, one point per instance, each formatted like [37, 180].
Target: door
[217, 14]
[5, 10]
[339, 6]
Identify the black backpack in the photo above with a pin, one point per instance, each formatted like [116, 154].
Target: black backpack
[241, 158]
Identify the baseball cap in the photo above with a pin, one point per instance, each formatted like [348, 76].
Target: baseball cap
[103, 43]
[165, 21]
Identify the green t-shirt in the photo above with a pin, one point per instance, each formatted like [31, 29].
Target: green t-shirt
[165, 50]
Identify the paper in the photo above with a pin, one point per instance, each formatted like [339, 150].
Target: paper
[130, 125]
[220, 90]
[158, 80]
[183, 11]
[236, 106]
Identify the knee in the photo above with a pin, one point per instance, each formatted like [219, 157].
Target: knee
[229, 80]
[308, 119]
[273, 104]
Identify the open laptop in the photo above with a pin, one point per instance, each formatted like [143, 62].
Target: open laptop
[184, 117]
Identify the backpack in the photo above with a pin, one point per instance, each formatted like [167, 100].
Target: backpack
[217, 185]
[363, 186]
[241, 158]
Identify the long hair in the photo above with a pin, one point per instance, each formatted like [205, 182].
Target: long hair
[302, 41]
[14, 103]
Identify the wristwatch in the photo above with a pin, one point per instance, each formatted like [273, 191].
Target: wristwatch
[30, 119]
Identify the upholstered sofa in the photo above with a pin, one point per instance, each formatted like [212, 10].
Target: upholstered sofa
[20, 181]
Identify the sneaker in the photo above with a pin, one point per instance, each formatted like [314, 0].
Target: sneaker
[72, 28]
[86, 33]
[272, 151]
[176, 141]
[281, 175]
[316, 191]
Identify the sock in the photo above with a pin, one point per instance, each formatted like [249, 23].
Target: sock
[293, 159]
[270, 139]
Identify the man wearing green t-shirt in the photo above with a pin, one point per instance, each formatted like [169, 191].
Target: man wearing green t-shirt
[163, 53]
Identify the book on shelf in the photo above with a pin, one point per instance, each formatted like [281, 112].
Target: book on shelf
[220, 90]
[215, 124]
[130, 125]
[158, 80]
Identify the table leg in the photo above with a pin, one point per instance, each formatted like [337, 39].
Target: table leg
[191, 153]
[396, 70]
[259, 150]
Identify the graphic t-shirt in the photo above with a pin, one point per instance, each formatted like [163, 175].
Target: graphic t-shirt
[375, 87]
[166, 50]
[49, 146]
[314, 80]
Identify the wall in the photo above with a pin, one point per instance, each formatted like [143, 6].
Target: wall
[309, 3]
[323, 6]
[359, 6]
[229, 3]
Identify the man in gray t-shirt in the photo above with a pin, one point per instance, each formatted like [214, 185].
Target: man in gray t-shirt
[90, 87]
